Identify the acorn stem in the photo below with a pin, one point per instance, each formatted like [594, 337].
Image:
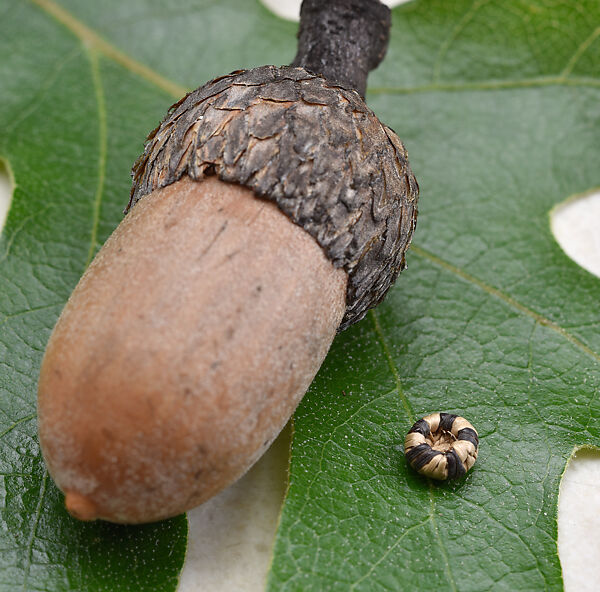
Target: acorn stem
[343, 39]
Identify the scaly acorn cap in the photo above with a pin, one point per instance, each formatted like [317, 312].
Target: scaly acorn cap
[311, 146]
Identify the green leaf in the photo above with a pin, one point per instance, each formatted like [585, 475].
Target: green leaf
[72, 122]
[498, 105]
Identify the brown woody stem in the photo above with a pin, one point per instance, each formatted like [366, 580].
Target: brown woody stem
[343, 39]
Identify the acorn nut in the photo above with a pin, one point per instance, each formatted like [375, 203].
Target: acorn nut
[269, 210]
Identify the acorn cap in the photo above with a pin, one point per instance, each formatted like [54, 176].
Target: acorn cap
[312, 147]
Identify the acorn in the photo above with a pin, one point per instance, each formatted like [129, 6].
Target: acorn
[269, 210]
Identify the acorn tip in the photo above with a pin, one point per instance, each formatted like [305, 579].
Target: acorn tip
[80, 506]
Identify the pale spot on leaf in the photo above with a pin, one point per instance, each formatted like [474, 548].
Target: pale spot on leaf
[579, 521]
[576, 224]
[6, 191]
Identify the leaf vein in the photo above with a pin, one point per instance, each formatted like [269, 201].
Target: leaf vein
[583, 47]
[16, 423]
[11, 239]
[487, 85]
[102, 149]
[34, 527]
[439, 539]
[90, 39]
[42, 92]
[22, 313]
[388, 551]
[392, 366]
[445, 46]
[539, 318]
[512, 533]
[411, 415]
